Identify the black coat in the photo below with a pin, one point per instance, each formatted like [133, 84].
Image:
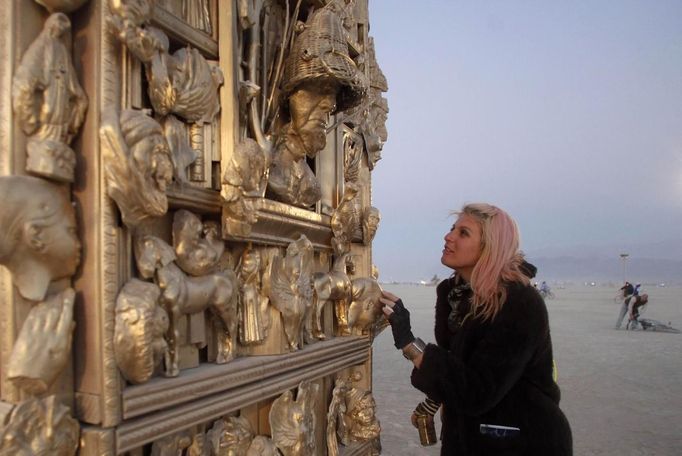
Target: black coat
[496, 373]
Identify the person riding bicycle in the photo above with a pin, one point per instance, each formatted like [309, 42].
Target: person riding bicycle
[627, 291]
[635, 305]
[544, 288]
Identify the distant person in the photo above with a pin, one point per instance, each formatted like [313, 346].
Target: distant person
[635, 291]
[627, 291]
[636, 304]
[490, 370]
[545, 290]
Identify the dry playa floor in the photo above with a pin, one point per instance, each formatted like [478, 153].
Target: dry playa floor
[621, 390]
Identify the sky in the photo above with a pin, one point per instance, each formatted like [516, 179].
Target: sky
[568, 115]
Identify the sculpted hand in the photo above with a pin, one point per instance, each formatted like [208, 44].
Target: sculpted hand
[44, 344]
[399, 318]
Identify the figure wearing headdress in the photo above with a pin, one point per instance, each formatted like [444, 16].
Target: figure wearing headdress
[320, 78]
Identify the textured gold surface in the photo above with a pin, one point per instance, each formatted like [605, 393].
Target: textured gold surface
[137, 165]
[334, 286]
[158, 292]
[291, 290]
[43, 347]
[49, 102]
[141, 323]
[39, 426]
[293, 421]
[39, 243]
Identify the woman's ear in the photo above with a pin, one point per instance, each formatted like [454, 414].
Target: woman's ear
[33, 236]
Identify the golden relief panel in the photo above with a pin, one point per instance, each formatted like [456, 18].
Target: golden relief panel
[259, 285]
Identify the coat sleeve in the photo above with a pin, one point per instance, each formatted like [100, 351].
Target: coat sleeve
[494, 366]
[442, 313]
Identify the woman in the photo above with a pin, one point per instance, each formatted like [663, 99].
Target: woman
[491, 368]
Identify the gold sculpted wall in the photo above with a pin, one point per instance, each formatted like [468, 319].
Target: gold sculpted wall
[185, 240]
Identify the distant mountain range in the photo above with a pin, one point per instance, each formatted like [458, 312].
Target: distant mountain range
[608, 269]
[659, 261]
[663, 250]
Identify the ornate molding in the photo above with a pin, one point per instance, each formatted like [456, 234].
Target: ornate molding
[134, 433]
[278, 223]
[109, 234]
[212, 379]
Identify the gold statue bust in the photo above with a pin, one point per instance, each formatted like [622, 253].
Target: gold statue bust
[137, 164]
[320, 79]
[139, 344]
[38, 238]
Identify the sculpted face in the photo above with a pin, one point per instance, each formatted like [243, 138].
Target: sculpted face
[62, 248]
[310, 107]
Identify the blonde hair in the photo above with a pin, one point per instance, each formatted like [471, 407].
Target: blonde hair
[500, 261]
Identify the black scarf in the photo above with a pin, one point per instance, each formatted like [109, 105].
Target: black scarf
[459, 299]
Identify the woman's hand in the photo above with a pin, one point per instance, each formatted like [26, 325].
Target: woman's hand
[399, 318]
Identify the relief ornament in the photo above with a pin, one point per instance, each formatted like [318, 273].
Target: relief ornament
[353, 412]
[49, 102]
[183, 83]
[335, 286]
[363, 312]
[137, 164]
[293, 422]
[244, 179]
[39, 427]
[185, 295]
[254, 317]
[141, 323]
[233, 436]
[370, 224]
[291, 288]
[345, 220]
[43, 346]
[198, 246]
[38, 234]
[320, 78]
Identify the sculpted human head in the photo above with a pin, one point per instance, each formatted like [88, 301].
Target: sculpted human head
[139, 344]
[230, 436]
[370, 223]
[38, 234]
[148, 146]
[57, 24]
[310, 106]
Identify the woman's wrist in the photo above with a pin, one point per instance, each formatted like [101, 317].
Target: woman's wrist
[414, 349]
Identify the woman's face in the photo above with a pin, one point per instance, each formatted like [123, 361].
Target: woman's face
[463, 245]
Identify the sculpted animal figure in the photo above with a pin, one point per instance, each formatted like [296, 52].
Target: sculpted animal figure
[184, 295]
[334, 285]
[363, 312]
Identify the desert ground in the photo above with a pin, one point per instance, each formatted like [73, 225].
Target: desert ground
[621, 390]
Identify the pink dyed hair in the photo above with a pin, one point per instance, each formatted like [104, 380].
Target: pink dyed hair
[500, 261]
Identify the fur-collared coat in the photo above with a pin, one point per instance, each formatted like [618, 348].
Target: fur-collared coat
[496, 373]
